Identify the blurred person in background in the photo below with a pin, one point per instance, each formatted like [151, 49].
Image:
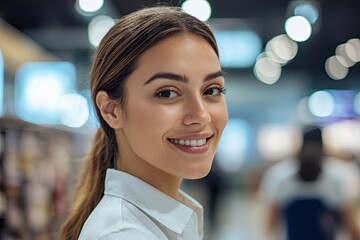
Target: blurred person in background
[309, 200]
[157, 86]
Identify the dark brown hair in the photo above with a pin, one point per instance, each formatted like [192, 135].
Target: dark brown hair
[114, 60]
[311, 154]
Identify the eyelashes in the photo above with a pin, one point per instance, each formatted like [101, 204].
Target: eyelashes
[215, 91]
[172, 93]
[167, 94]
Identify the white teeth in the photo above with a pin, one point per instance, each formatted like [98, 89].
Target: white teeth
[192, 143]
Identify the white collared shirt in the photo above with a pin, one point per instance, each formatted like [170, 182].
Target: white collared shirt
[133, 209]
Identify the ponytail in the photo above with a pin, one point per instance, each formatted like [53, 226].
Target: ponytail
[90, 186]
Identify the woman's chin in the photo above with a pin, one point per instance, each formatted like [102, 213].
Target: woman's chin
[197, 174]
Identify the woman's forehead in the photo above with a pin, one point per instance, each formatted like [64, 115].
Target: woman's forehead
[177, 47]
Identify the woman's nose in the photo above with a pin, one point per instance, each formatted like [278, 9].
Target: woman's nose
[196, 113]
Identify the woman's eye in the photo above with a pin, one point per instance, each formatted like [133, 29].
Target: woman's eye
[215, 91]
[167, 94]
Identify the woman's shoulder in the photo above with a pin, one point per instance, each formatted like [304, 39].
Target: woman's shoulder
[115, 218]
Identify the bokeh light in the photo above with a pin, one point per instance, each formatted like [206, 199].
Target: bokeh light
[336, 68]
[38, 88]
[298, 28]
[233, 146]
[98, 27]
[307, 10]
[200, 9]
[342, 53]
[342, 136]
[304, 115]
[238, 49]
[266, 70]
[352, 48]
[275, 142]
[357, 103]
[281, 49]
[321, 103]
[90, 5]
[75, 110]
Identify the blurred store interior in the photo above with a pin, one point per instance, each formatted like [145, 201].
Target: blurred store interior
[287, 64]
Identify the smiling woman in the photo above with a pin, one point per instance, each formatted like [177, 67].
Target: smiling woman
[158, 89]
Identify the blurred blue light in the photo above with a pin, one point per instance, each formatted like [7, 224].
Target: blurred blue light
[38, 88]
[234, 145]
[337, 104]
[75, 110]
[1, 84]
[321, 103]
[93, 120]
[238, 49]
[307, 10]
[344, 104]
[357, 103]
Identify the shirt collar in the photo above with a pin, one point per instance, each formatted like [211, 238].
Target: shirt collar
[171, 213]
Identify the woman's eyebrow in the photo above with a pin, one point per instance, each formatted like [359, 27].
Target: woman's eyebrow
[181, 78]
[214, 75]
[167, 75]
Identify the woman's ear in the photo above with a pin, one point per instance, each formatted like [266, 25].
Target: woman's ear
[110, 110]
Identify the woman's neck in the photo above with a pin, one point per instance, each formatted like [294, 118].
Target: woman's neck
[163, 181]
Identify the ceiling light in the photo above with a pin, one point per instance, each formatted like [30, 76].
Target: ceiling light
[281, 49]
[98, 27]
[336, 68]
[200, 9]
[90, 5]
[298, 28]
[266, 70]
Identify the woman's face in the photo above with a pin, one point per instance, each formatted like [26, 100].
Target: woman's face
[175, 110]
